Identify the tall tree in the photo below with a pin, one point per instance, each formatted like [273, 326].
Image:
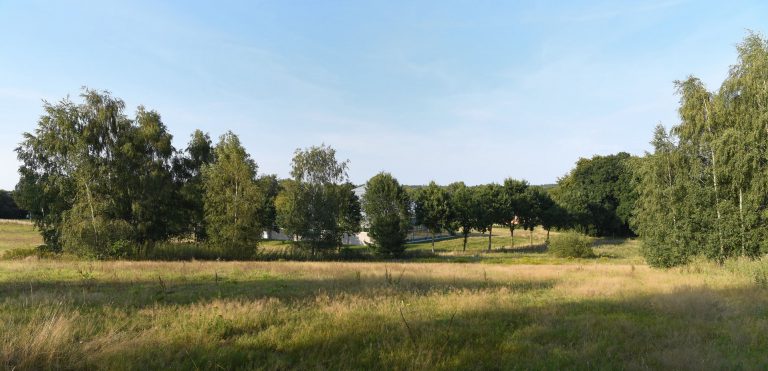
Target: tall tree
[433, 208]
[188, 169]
[387, 212]
[96, 181]
[313, 206]
[232, 199]
[703, 190]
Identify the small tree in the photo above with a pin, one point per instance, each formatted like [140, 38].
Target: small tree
[463, 206]
[488, 199]
[515, 204]
[387, 211]
[433, 209]
[232, 199]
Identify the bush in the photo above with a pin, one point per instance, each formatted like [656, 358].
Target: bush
[571, 245]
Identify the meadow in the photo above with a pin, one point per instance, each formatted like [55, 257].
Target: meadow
[513, 308]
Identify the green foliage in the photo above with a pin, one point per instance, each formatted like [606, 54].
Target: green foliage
[514, 203]
[269, 186]
[387, 211]
[490, 208]
[463, 209]
[316, 205]
[88, 166]
[599, 195]
[8, 207]
[703, 191]
[433, 208]
[350, 217]
[232, 199]
[571, 245]
[188, 171]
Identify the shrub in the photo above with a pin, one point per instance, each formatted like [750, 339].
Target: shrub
[571, 245]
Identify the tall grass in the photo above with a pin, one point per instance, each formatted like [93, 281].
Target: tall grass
[341, 315]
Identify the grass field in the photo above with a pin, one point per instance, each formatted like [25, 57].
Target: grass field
[17, 234]
[495, 312]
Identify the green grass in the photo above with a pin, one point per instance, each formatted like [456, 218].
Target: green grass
[275, 315]
[18, 234]
[509, 309]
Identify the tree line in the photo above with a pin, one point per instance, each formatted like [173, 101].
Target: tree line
[97, 182]
[703, 191]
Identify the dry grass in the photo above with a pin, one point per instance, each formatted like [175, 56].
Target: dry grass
[276, 315]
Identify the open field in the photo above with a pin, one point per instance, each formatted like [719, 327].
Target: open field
[17, 234]
[511, 308]
[123, 315]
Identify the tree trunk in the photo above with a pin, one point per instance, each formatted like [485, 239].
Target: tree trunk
[531, 238]
[714, 183]
[547, 235]
[465, 241]
[512, 232]
[490, 235]
[93, 213]
[433, 242]
[741, 217]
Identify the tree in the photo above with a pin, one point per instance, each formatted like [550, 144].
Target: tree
[95, 181]
[703, 191]
[188, 170]
[313, 205]
[599, 195]
[490, 207]
[232, 199]
[269, 187]
[433, 208]
[515, 204]
[542, 210]
[350, 218]
[8, 207]
[463, 209]
[387, 212]
[659, 217]
[551, 215]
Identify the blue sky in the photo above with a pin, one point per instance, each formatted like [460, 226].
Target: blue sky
[444, 90]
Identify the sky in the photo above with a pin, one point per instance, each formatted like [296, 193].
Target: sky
[476, 91]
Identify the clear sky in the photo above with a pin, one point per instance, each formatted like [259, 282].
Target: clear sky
[442, 90]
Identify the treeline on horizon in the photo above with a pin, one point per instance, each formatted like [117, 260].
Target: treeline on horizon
[98, 183]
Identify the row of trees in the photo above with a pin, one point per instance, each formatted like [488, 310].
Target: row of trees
[99, 183]
[512, 204]
[704, 189]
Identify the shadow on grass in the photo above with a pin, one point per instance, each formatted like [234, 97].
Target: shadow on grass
[609, 241]
[684, 329]
[139, 293]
